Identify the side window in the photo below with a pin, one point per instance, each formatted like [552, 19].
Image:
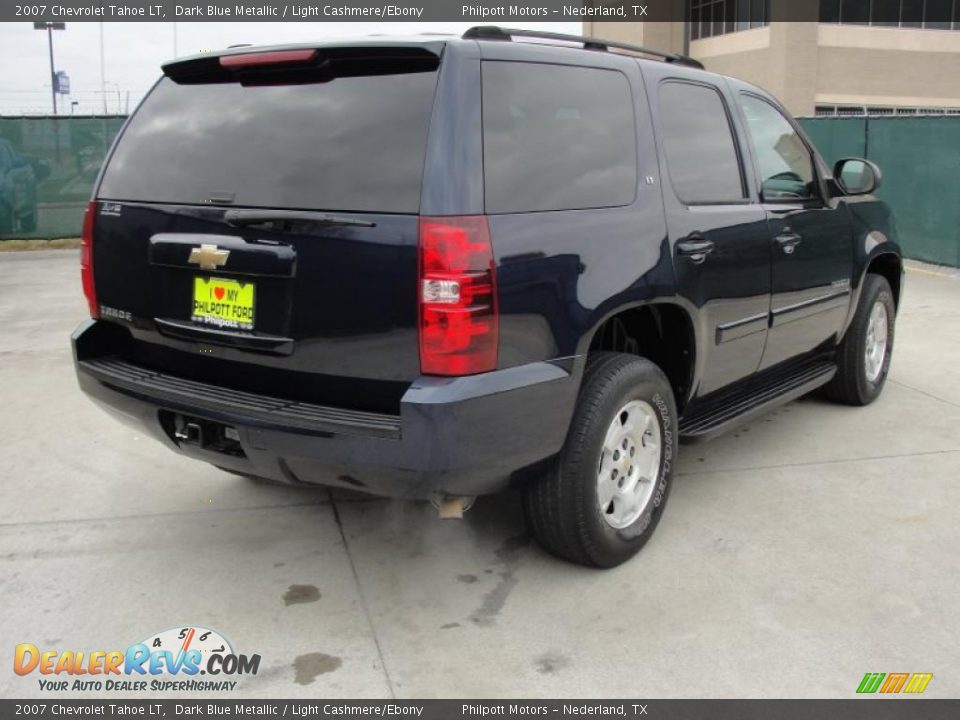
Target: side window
[557, 138]
[786, 166]
[698, 142]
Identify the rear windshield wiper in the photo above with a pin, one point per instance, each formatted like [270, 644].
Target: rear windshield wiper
[239, 218]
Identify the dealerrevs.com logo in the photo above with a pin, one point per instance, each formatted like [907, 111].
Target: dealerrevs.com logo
[172, 660]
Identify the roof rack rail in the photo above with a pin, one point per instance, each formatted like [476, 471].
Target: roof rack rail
[493, 32]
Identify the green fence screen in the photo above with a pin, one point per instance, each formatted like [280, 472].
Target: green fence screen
[47, 169]
[920, 160]
[48, 165]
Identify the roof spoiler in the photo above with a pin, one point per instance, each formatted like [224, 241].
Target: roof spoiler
[299, 63]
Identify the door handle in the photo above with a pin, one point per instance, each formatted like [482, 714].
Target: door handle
[788, 241]
[695, 249]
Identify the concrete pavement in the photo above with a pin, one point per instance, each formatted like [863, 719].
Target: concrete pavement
[811, 546]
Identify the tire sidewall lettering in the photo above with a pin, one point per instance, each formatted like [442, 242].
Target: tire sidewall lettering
[666, 463]
[873, 388]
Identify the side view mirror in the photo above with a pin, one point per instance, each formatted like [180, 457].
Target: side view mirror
[856, 176]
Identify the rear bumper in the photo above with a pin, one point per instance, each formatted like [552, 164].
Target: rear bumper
[454, 436]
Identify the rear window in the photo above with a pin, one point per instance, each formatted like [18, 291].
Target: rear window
[557, 138]
[349, 143]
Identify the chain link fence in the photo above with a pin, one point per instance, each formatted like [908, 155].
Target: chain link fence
[920, 160]
[47, 169]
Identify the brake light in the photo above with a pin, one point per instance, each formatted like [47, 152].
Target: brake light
[459, 319]
[86, 261]
[277, 57]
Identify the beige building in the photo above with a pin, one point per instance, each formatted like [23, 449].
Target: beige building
[865, 56]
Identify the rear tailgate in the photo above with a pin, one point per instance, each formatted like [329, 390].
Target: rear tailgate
[256, 225]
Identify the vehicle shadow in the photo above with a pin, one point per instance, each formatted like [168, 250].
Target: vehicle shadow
[402, 534]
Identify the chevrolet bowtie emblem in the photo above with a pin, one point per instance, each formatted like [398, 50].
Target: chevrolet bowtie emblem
[209, 257]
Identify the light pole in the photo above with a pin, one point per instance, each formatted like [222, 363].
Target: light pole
[50, 27]
[103, 81]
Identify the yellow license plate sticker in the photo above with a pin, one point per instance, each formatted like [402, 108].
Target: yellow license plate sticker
[224, 303]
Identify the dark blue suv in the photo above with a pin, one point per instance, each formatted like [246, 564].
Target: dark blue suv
[441, 267]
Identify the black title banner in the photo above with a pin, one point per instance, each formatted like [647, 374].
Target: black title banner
[876, 709]
[480, 11]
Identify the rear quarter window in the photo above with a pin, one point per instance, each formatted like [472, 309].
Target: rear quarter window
[557, 138]
[350, 143]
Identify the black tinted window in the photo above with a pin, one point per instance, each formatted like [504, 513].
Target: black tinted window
[557, 138]
[701, 155]
[352, 143]
[785, 163]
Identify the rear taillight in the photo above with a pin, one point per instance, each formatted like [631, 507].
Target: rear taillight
[459, 322]
[86, 261]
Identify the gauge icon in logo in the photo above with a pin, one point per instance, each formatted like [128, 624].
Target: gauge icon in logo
[183, 639]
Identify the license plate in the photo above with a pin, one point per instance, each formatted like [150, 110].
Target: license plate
[224, 303]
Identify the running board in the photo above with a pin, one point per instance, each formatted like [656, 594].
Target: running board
[718, 418]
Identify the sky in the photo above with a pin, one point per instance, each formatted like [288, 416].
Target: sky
[133, 53]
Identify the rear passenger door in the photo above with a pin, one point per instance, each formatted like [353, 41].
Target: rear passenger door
[810, 237]
[718, 235]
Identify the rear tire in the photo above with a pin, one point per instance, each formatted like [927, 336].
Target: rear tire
[604, 495]
[863, 358]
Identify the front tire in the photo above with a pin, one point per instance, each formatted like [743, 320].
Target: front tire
[863, 358]
[603, 497]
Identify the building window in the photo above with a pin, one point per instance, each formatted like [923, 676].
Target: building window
[876, 111]
[719, 17]
[930, 14]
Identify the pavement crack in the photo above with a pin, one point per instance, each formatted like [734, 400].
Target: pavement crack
[363, 599]
[816, 462]
[924, 392]
[167, 514]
